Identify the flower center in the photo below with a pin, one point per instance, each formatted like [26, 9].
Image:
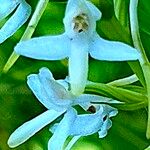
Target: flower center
[80, 23]
[91, 109]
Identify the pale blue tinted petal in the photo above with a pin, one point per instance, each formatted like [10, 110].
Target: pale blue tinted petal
[83, 5]
[28, 129]
[72, 5]
[6, 7]
[46, 73]
[102, 133]
[110, 111]
[105, 127]
[64, 83]
[62, 131]
[108, 123]
[96, 13]
[49, 84]
[39, 91]
[45, 48]
[87, 124]
[16, 21]
[72, 142]
[38, 86]
[54, 89]
[91, 123]
[112, 51]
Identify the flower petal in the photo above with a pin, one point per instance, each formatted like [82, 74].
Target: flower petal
[73, 5]
[92, 123]
[83, 5]
[112, 111]
[49, 100]
[50, 93]
[39, 91]
[54, 89]
[51, 86]
[87, 124]
[106, 125]
[61, 133]
[112, 51]
[6, 7]
[96, 13]
[31, 127]
[16, 21]
[45, 48]
[64, 83]
[46, 73]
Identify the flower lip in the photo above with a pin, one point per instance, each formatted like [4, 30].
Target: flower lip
[91, 109]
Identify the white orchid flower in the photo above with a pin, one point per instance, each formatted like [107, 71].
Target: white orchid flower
[19, 17]
[56, 97]
[79, 39]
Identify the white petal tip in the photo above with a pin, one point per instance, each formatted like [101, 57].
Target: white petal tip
[46, 72]
[102, 134]
[12, 142]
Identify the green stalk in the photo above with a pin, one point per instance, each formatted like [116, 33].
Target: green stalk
[117, 5]
[121, 13]
[122, 94]
[120, 9]
[146, 70]
[40, 8]
[135, 30]
[125, 81]
[144, 60]
[148, 148]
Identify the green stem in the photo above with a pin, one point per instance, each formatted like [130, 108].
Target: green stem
[124, 95]
[144, 60]
[41, 6]
[135, 30]
[125, 81]
[148, 148]
[72, 142]
[121, 9]
[133, 100]
[117, 5]
[146, 70]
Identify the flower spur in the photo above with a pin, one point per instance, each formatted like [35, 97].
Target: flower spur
[19, 17]
[60, 101]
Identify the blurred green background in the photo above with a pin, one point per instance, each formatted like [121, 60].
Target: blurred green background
[18, 104]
